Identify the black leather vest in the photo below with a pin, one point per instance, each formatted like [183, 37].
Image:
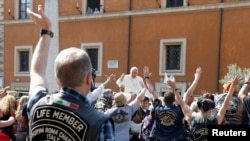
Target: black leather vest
[64, 117]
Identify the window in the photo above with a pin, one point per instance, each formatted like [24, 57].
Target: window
[172, 56]
[22, 60]
[95, 53]
[174, 3]
[23, 5]
[93, 6]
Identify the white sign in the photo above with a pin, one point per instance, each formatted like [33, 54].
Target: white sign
[112, 64]
[161, 87]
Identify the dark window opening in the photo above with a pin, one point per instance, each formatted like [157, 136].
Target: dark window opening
[93, 54]
[173, 57]
[174, 3]
[23, 61]
[93, 6]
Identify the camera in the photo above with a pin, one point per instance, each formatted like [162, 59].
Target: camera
[93, 79]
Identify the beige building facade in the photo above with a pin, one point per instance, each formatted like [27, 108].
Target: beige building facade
[173, 37]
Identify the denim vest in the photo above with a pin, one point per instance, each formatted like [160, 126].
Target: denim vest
[168, 124]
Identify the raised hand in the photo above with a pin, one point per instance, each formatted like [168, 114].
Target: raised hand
[110, 77]
[40, 19]
[146, 72]
[198, 73]
[236, 80]
[171, 82]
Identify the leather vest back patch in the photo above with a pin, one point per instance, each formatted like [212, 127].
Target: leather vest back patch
[55, 123]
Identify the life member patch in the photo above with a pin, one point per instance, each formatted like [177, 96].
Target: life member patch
[56, 124]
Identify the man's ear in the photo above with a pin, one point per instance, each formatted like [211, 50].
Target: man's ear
[57, 81]
[89, 79]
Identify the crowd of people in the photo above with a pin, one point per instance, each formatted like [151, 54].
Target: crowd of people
[134, 113]
[10, 115]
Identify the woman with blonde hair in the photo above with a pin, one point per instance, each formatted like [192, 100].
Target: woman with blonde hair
[8, 103]
[22, 122]
[5, 123]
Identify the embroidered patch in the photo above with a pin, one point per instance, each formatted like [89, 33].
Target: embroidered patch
[119, 116]
[167, 117]
[56, 124]
[66, 103]
[200, 133]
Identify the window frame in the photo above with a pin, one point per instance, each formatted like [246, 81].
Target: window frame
[17, 61]
[99, 46]
[163, 46]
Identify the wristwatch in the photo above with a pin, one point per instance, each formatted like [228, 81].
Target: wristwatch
[45, 31]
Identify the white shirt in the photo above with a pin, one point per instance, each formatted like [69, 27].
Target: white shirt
[92, 96]
[132, 85]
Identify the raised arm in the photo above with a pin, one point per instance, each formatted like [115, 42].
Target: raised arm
[184, 106]
[5, 123]
[40, 55]
[222, 110]
[92, 96]
[119, 81]
[149, 85]
[140, 96]
[245, 88]
[3, 91]
[187, 95]
[109, 79]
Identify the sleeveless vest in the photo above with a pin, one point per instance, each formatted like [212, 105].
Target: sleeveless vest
[199, 129]
[64, 117]
[168, 124]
